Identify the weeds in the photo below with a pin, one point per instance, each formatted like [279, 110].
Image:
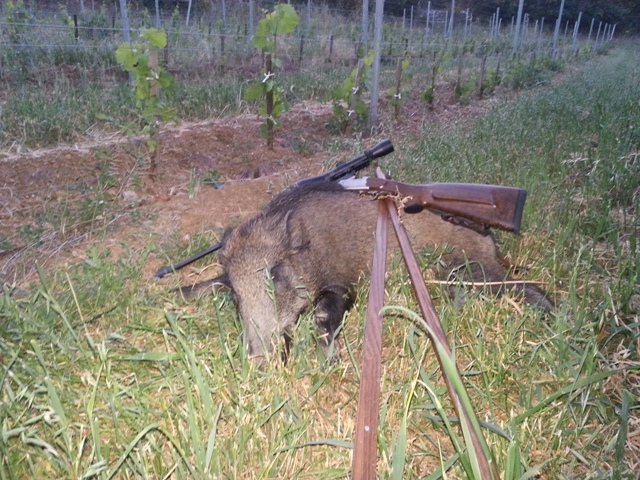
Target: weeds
[349, 108]
[281, 21]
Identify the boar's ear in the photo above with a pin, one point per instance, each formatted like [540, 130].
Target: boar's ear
[297, 237]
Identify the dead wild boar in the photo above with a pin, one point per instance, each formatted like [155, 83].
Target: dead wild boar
[311, 245]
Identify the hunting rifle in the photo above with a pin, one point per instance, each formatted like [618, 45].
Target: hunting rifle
[493, 205]
[345, 169]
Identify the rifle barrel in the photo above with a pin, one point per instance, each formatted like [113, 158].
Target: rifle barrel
[171, 268]
[348, 168]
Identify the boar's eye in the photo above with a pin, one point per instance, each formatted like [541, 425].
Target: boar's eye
[278, 273]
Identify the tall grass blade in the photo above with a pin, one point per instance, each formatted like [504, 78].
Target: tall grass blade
[54, 399]
[535, 471]
[55, 306]
[95, 431]
[211, 441]
[400, 450]
[624, 429]
[513, 467]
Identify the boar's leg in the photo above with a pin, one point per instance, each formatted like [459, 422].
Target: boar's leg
[534, 296]
[333, 302]
[494, 275]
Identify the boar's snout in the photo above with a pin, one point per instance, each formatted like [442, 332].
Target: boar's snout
[258, 260]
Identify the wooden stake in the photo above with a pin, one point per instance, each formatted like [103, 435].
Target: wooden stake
[355, 95]
[487, 469]
[76, 33]
[301, 49]
[483, 64]
[396, 103]
[366, 441]
[268, 68]
[154, 90]
[330, 48]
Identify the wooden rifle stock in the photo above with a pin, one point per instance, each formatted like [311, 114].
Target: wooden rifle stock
[493, 205]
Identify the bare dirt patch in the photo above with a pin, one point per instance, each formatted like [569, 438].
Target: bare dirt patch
[209, 175]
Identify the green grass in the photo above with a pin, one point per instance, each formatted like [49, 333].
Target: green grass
[107, 375]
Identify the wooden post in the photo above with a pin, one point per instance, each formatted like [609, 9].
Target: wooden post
[330, 48]
[518, 32]
[595, 45]
[364, 34]
[76, 34]
[366, 435]
[268, 68]
[188, 14]
[396, 102]
[483, 64]
[222, 55]
[590, 32]
[301, 49]
[158, 22]
[165, 53]
[459, 77]
[375, 68]
[431, 89]
[556, 32]
[154, 90]
[252, 28]
[576, 29]
[126, 32]
[355, 94]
